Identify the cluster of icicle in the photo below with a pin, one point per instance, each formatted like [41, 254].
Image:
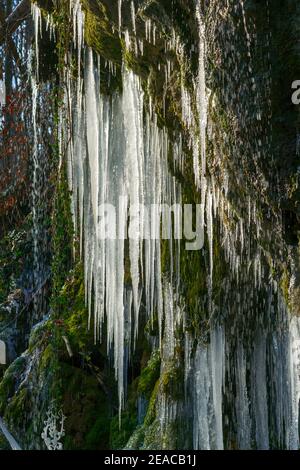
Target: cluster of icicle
[116, 153]
[244, 382]
[263, 368]
[264, 377]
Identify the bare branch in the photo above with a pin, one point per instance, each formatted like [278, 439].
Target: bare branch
[11, 44]
[15, 19]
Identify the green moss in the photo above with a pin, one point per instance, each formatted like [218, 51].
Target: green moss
[71, 313]
[149, 376]
[87, 409]
[285, 285]
[136, 441]
[151, 412]
[172, 380]
[62, 236]
[138, 65]
[7, 386]
[98, 432]
[18, 407]
[121, 430]
[101, 38]
[47, 357]
[119, 435]
[6, 390]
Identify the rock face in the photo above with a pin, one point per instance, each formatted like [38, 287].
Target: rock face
[218, 365]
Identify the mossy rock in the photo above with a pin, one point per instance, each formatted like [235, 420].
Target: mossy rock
[8, 384]
[149, 375]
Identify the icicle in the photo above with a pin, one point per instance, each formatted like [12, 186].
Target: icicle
[132, 8]
[209, 219]
[78, 22]
[78, 29]
[242, 402]
[92, 131]
[127, 40]
[2, 93]
[50, 27]
[293, 432]
[208, 372]
[133, 113]
[37, 20]
[196, 164]
[217, 352]
[68, 104]
[187, 360]
[201, 424]
[120, 15]
[169, 305]
[201, 89]
[141, 46]
[259, 391]
[154, 35]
